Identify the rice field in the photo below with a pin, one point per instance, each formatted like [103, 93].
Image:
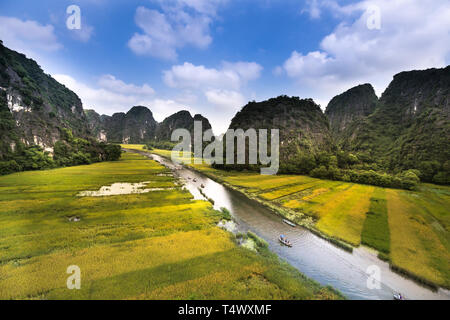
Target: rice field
[408, 228]
[155, 245]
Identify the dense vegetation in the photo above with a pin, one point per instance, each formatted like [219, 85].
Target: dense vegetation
[409, 129]
[69, 151]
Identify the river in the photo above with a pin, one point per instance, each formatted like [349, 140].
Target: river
[316, 258]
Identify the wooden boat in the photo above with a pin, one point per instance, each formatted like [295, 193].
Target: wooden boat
[195, 180]
[289, 223]
[202, 186]
[398, 296]
[284, 241]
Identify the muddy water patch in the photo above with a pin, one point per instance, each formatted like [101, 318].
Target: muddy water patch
[117, 189]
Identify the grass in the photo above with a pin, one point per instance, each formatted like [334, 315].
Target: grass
[156, 245]
[408, 228]
[376, 226]
[415, 247]
[344, 217]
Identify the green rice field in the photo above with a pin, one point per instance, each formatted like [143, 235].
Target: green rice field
[155, 245]
[410, 229]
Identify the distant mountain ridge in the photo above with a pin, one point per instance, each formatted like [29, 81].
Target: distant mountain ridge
[135, 126]
[138, 126]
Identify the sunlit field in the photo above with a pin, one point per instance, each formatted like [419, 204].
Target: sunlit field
[155, 245]
[408, 228]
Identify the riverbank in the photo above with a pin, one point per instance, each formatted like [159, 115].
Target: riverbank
[157, 244]
[407, 228]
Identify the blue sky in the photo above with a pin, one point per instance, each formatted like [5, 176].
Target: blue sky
[212, 56]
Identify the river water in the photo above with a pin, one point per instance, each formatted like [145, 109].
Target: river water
[316, 258]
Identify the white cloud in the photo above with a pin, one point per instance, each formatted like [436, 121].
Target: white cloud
[226, 99]
[208, 7]
[180, 23]
[413, 35]
[221, 88]
[313, 8]
[84, 34]
[28, 36]
[111, 83]
[229, 76]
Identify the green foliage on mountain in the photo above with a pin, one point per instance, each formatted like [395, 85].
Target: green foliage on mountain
[303, 129]
[40, 106]
[409, 128]
[69, 151]
[38, 117]
[135, 126]
[180, 120]
[392, 142]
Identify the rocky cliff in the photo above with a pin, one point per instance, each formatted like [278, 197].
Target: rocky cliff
[354, 104]
[135, 126]
[410, 124]
[34, 107]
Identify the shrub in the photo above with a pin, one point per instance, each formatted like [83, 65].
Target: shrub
[113, 152]
[442, 178]
[320, 172]
[7, 167]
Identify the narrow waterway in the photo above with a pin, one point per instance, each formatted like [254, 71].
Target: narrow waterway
[313, 256]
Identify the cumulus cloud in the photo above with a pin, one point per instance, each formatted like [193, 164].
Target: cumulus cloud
[313, 8]
[229, 76]
[28, 36]
[221, 89]
[84, 34]
[111, 83]
[180, 23]
[412, 35]
[111, 95]
[226, 99]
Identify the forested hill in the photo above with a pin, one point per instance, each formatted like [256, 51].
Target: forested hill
[393, 141]
[304, 129]
[42, 123]
[409, 127]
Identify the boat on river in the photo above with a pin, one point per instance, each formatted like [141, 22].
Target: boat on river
[398, 296]
[289, 223]
[285, 241]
